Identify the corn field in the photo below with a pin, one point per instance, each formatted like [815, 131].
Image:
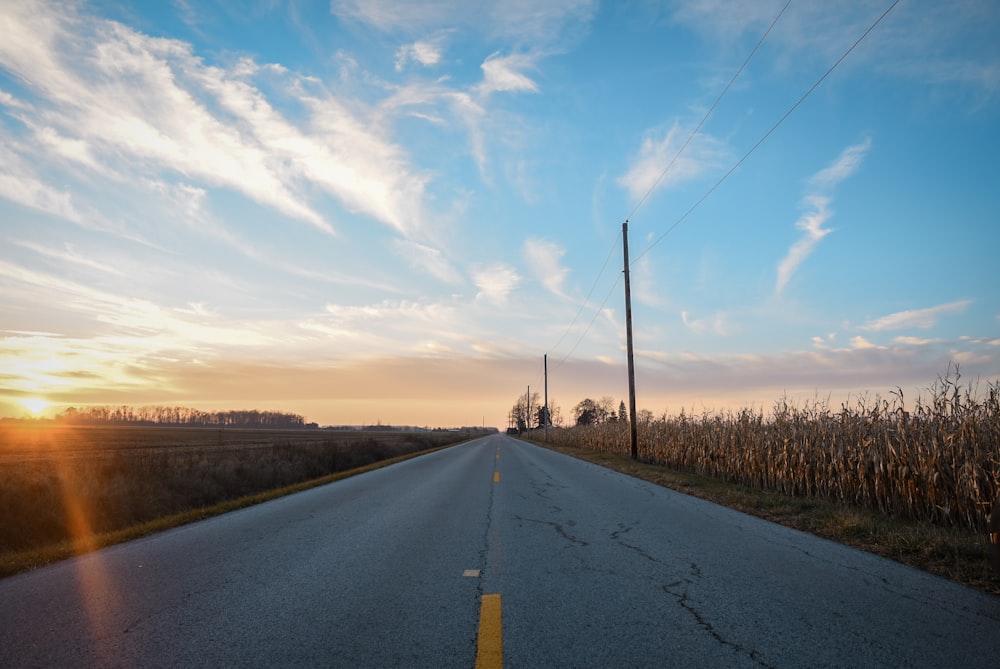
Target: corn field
[937, 462]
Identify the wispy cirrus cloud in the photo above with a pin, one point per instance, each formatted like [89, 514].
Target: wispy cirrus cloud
[543, 257]
[428, 259]
[917, 46]
[21, 183]
[118, 100]
[657, 164]
[810, 223]
[529, 21]
[818, 210]
[142, 327]
[923, 319]
[391, 327]
[495, 283]
[427, 53]
[716, 324]
[844, 166]
[915, 341]
[68, 255]
[506, 74]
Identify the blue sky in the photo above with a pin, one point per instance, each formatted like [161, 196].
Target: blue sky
[390, 211]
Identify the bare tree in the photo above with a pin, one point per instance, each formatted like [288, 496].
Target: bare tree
[607, 409]
[519, 412]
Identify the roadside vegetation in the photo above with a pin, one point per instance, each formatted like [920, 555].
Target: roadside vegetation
[69, 489]
[914, 483]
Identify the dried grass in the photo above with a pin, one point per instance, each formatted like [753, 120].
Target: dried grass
[65, 484]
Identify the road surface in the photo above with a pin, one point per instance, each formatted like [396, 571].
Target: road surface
[554, 561]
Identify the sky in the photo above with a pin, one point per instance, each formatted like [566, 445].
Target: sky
[372, 211]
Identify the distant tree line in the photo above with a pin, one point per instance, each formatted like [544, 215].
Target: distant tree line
[599, 412]
[591, 412]
[586, 412]
[528, 415]
[182, 417]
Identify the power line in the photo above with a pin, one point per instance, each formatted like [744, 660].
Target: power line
[653, 187]
[597, 313]
[769, 132]
[586, 300]
[724, 176]
[707, 114]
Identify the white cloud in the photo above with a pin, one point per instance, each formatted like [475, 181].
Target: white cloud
[901, 47]
[811, 224]
[658, 165]
[47, 364]
[717, 324]
[140, 325]
[818, 204]
[390, 327]
[8, 100]
[392, 15]
[34, 194]
[825, 343]
[111, 86]
[495, 283]
[20, 183]
[76, 150]
[117, 100]
[844, 166]
[366, 172]
[426, 53]
[915, 341]
[859, 343]
[525, 20]
[923, 319]
[427, 259]
[69, 255]
[505, 73]
[389, 310]
[543, 257]
[724, 18]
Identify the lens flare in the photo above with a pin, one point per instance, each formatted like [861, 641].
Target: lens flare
[35, 405]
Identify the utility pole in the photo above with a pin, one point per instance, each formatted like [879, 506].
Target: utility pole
[545, 363]
[632, 427]
[527, 417]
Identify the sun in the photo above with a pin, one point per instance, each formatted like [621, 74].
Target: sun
[35, 405]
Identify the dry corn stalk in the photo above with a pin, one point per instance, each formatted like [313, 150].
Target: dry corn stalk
[938, 462]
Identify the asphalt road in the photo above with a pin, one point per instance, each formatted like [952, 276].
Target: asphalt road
[590, 568]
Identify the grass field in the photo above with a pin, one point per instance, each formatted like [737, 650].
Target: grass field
[64, 485]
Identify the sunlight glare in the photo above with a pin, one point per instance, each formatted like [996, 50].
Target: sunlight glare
[35, 405]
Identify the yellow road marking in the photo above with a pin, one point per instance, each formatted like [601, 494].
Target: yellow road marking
[496, 477]
[474, 573]
[489, 647]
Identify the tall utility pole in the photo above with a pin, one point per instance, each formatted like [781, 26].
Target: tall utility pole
[545, 364]
[632, 427]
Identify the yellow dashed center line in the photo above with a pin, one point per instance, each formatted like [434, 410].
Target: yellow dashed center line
[496, 477]
[489, 647]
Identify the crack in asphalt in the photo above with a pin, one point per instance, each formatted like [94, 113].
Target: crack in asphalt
[622, 529]
[558, 528]
[678, 590]
[640, 551]
[625, 529]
